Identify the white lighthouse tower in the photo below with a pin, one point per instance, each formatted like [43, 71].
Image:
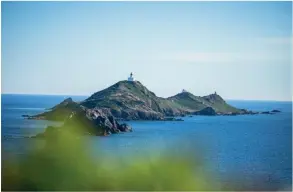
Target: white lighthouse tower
[130, 78]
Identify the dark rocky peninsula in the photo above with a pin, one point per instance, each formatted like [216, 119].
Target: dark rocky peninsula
[85, 122]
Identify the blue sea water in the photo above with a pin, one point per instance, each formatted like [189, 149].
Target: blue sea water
[248, 145]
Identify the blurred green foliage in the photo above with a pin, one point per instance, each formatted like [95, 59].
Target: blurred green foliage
[66, 163]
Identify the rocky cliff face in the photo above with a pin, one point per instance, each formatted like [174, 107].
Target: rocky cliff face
[88, 122]
[95, 121]
[133, 101]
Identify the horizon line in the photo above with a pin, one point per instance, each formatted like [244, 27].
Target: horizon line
[79, 95]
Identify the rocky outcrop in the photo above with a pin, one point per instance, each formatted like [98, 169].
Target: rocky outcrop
[95, 121]
[66, 103]
[208, 111]
[89, 122]
[58, 113]
[275, 111]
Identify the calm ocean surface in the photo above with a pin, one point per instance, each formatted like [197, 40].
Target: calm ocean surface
[249, 145]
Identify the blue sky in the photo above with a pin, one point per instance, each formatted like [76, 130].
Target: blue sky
[242, 50]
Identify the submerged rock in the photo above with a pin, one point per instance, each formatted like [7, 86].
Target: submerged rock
[266, 112]
[275, 111]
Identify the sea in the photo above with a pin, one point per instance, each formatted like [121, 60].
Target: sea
[248, 145]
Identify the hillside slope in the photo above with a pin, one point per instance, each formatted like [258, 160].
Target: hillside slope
[130, 100]
[59, 112]
[196, 103]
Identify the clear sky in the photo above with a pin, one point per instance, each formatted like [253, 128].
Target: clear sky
[241, 50]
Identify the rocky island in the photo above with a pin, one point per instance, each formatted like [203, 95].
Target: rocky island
[85, 121]
[131, 100]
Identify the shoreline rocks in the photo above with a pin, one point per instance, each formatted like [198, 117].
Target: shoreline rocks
[87, 122]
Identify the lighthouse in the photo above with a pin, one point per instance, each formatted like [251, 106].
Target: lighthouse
[130, 78]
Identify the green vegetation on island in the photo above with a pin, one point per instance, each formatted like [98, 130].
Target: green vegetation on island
[130, 100]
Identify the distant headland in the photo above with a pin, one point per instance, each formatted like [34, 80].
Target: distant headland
[131, 100]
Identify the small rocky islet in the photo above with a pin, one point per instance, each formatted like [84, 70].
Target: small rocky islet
[130, 100]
